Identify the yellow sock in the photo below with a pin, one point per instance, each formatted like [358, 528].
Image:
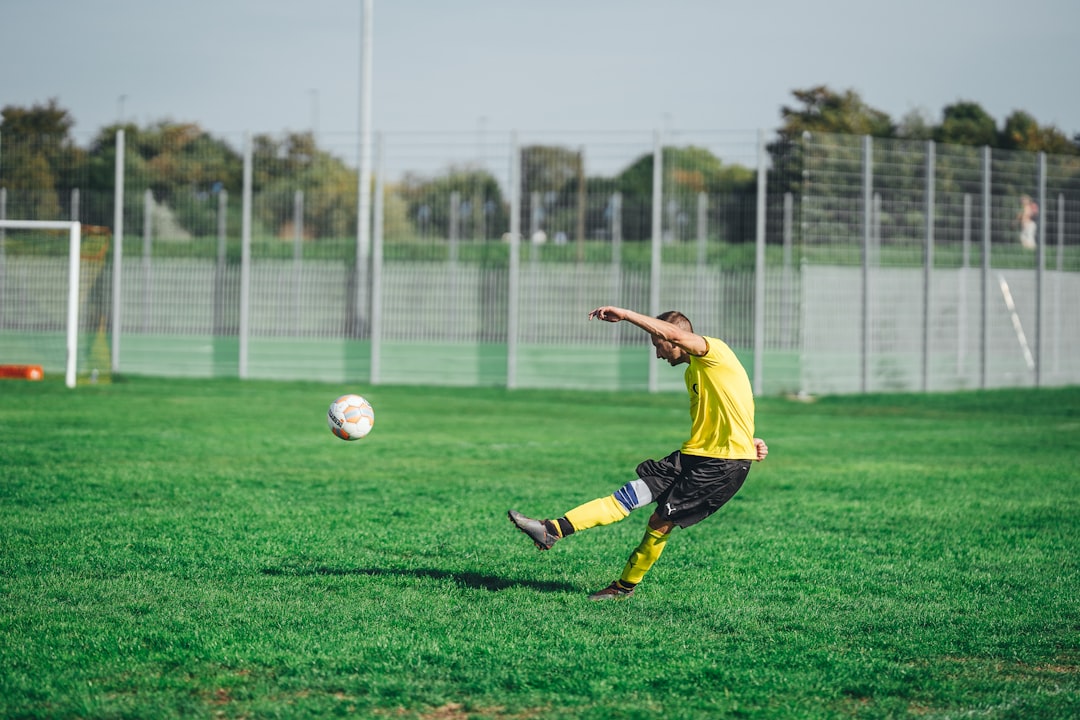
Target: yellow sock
[601, 511]
[644, 556]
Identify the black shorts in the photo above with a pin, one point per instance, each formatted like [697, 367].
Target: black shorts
[689, 488]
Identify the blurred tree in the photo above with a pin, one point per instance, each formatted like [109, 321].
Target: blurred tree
[966, 123]
[481, 213]
[688, 171]
[101, 174]
[916, 125]
[39, 159]
[824, 110]
[1022, 132]
[548, 168]
[295, 163]
[182, 165]
[551, 177]
[820, 110]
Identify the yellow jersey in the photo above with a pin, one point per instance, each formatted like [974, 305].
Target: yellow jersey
[721, 405]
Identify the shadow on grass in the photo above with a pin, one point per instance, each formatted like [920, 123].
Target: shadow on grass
[473, 580]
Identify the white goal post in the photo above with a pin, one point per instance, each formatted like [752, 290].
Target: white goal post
[75, 234]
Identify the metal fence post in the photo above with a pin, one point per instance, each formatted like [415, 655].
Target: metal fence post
[759, 270]
[3, 245]
[118, 248]
[1040, 272]
[961, 287]
[984, 324]
[786, 290]
[245, 261]
[702, 226]
[363, 215]
[514, 280]
[298, 258]
[220, 263]
[377, 262]
[147, 252]
[657, 232]
[1058, 279]
[455, 226]
[615, 203]
[928, 264]
[3, 216]
[867, 188]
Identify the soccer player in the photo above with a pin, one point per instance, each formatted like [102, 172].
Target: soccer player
[691, 483]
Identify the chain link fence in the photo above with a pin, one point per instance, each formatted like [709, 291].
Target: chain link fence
[858, 265]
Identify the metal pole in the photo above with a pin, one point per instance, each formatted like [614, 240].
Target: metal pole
[875, 234]
[579, 230]
[657, 231]
[219, 276]
[534, 217]
[702, 228]
[928, 264]
[786, 290]
[245, 260]
[1058, 279]
[984, 329]
[1061, 232]
[703, 271]
[868, 231]
[961, 288]
[363, 230]
[455, 226]
[3, 248]
[789, 227]
[514, 279]
[74, 258]
[377, 263]
[1040, 271]
[759, 271]
[616, 247]
[118, 248]
[298, 257]
[148, 301]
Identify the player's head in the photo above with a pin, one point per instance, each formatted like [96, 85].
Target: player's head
[676, 318]
[669, 351]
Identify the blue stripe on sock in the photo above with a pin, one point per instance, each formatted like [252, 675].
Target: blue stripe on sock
[627, 497]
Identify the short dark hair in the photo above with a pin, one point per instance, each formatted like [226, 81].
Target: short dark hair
[676, 318]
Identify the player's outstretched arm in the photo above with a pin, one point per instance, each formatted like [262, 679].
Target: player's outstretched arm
[761, 448]
[609, 313]
[689, 341]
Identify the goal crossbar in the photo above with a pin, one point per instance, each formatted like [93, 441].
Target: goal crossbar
[75, 234]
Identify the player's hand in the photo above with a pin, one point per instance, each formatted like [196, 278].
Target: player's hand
[608, 313]
[761, 448]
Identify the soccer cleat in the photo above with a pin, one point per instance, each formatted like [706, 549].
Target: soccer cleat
[535, 529]
[614, 591]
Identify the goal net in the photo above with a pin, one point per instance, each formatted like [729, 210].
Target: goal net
[53, 299]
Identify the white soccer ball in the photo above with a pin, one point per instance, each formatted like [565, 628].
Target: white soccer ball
[350, 417]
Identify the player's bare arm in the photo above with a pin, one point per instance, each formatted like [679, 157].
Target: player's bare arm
[688, 341]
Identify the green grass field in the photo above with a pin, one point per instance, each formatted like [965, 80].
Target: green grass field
[208, 549]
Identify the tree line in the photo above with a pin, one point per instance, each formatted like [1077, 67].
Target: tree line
[187, 169]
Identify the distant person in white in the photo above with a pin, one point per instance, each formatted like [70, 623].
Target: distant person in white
[1029, 210]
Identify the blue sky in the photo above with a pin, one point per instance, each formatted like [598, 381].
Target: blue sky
[543, 65]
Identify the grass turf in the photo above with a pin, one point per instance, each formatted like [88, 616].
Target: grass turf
[208, 549]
